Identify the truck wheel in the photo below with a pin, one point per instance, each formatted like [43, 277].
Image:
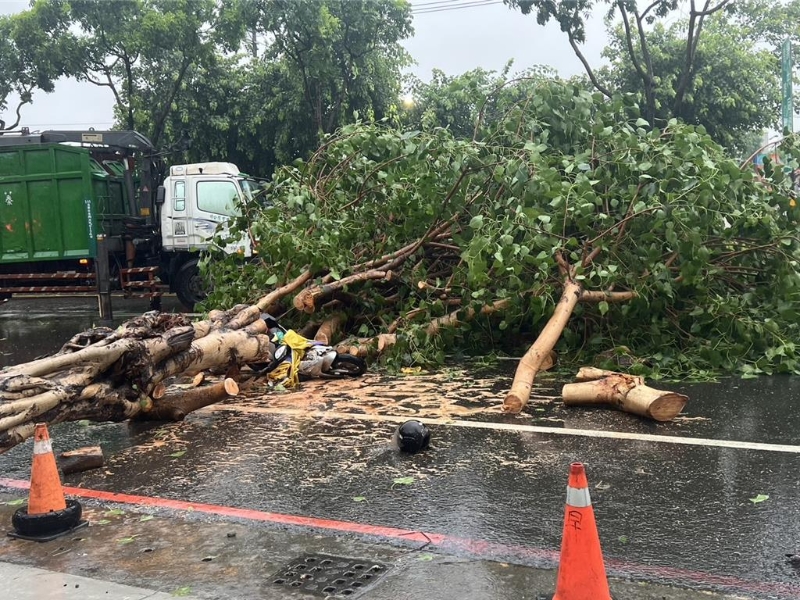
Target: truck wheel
[189, 286]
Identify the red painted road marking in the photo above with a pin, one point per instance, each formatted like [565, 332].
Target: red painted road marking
[477, 548]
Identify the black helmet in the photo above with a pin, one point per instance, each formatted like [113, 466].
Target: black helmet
[412, 437]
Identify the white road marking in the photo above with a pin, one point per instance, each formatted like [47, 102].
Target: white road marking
[590, 433]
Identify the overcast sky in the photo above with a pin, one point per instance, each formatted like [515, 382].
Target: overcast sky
[449, 35]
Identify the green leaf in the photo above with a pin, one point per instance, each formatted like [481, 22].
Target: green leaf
[602, 307]
[115, 512]
[182, 591]
[760, 498]
[102, 522]
[642, 123]
[177, 454]
[16, 502]
[359, 498]
[426, 557]
[403, 481]
[127, 540]
[145, 518]
[272, 280]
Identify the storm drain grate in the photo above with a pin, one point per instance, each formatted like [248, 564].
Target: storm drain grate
[326, 576]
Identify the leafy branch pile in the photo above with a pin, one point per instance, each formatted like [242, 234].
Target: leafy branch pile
[567, 216]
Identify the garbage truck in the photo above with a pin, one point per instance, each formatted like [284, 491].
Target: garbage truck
[66, 196]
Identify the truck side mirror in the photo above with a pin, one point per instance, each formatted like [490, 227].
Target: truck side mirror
[161, 194]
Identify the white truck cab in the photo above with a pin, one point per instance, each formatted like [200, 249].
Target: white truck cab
[195, 200]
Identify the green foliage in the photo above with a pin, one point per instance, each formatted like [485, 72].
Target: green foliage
[461, 102]
[145, 51]
[710, 252]
[737, 88]
[713, 64]
[33, 54]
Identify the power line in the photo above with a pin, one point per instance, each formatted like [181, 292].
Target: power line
[418, 5]
[449, 8]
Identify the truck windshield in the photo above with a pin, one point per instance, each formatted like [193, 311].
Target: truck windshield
[254, 191]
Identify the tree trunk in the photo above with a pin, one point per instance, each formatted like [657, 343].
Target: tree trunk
[536, 356]
[82, 459]
[176, 405]
[626, 392]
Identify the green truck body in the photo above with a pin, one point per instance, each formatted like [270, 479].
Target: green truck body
[54, 201]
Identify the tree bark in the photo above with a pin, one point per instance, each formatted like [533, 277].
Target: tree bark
[330, 328]
[626, 392]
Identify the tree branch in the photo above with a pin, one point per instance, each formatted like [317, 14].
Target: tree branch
[25, 98]
[599, 86]
[645, 76]
[696, 18]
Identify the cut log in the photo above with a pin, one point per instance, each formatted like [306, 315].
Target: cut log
[329, 328]
[386, 341]
[82, 459]
[626, 392]
[176, 405]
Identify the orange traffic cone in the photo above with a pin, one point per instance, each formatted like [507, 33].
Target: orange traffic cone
[48, 514]
[46, 494]
[581, 572]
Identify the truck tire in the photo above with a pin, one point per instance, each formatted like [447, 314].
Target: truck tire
[189, 286]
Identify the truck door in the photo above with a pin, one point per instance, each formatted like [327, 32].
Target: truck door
[174, 216]
[215, 203]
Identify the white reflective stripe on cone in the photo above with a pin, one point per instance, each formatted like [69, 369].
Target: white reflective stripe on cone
[578, 498]
[42, 447]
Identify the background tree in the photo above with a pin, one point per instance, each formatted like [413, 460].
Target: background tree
[34, 52]
[719, 52]
[736, 89]
[571, 15]
[337, 58]
[144, 51]
[302, 69]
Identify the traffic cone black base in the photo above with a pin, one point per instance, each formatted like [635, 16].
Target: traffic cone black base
[46, 537]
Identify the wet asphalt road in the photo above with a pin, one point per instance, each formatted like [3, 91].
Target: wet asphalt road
[666, 512]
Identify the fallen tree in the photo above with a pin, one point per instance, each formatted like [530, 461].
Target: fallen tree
[582, 234]
[592, 231]
[117, 374]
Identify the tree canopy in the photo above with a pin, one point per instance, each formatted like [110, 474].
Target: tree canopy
[717, 67]
[34, 53]
[254, 81]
